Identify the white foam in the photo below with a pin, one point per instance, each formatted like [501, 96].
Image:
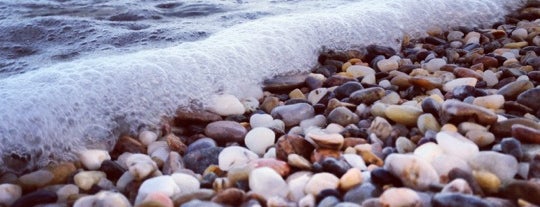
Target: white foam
[86, 103]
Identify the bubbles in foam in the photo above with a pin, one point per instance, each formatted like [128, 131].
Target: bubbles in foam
[89, 102]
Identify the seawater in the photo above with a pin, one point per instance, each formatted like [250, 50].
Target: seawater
[76, 74]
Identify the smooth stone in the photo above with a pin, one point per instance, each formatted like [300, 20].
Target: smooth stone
[36, 179]
[487, 61]
[269, 103]
[383, 177]
[293, 144]
[387, 65]
[129, 144]
[86, 179]
[490, 77]
[529, 98]
[321, 181]
[454, 111]
[157, 199]
[230, 196]
[361, 193]
[359, 71]
[458, 185]
[381, 50]
[186, 183]
[491, 102]
[279, 166]
[103, 198]
[317, 95]
[521, 189]
[267, 182]
[355, 161]
[534, 167]
[399, 197]
[432, 106]
[281, 83]
[259, 139]
[404, 145]
[443, 164]
[427, 83]
[427, 122]
[428, 151]
[512, 146]
[297, 182]
[226, 105]
[92, 159]
[413, 171]
[489, 182]
[391, 98]
[198, 116]
[456, 145]
[472, 38]
[199, 160]
[293, 114]
[350, 179]
[505, 167]
[338, 167]
[298, 161]
[141, 165]
[457, 199]
[329, 201]
[504, 128]
[511, 90]
[147, 137]
[526, 134]
[434, 64]
[450, 85]
[260, 120]
[467, 73]
[36, 198]
[163, 184]
[9, 193]
[297, 94]
[343, 116]
[66, 191]
[201, 143]
[454, 35]
[199, 203]
[318, 121]
[307, 201]
[235, 156]
[328, 141]
[345, 90]
[480, 137]
[225, 131]
[403, 114]
[380, 127]
[367, 96]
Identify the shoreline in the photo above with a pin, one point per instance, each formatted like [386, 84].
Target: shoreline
[372, 126]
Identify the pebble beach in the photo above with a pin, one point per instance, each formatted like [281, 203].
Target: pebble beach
[451, 119]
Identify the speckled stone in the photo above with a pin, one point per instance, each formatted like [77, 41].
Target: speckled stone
[456, 111]
[343, 116]
[367, 96]
[413, 171]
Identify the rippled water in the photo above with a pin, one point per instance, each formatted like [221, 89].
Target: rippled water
[76, 74]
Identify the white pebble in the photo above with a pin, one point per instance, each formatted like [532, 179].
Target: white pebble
[147, 137]
[103, 198]
[164, 184]
[186, 183]
[267, 182]
[226, 105]
[452, 143]
[86, 179]
[321, 181]
[360, 71]
[428, 151]
[9, 193]
[92, 159]
[413, 171]
[316, 95]
[235, 156]
[65, 191]
[450, 85]
[387, 65]
[140, 166]
[250, 104]
[434, 64]
[259, 139]
[520, 33]
[260, 120]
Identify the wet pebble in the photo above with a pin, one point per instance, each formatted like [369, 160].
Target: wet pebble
[294, 113]
[36, 198]
[457, 199]
[504, 166]
[225, 131]
[342, 116]
[321, 181]
[403, 114]
[259, 139]
[235, 156]
[367, 96]
[413, 171]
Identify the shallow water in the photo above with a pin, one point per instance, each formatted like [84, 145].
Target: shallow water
[119, 67]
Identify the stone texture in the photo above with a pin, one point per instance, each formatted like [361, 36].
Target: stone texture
[294, 113]
[413, 171]
[225, 131]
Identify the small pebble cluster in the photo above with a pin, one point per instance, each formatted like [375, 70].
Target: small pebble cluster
[450, 120]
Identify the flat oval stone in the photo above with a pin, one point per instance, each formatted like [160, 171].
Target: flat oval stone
[350, 179]
[502, 165]
[199, 160]
[521, 189]
[367, 96]
[36, 198]
[504, 128]
[457, 199]
[362, 192]
[526, 134]
[225, 131]
[293, 144]
[458, 185]
[530, 98]
[343, 116]
[321, 181]
[490, 102]
[259, 139]
[328, 141]
[427, 122]
[414, 172]
[512, 90]
[235, 156]
[267, 182]
[381, 128]
[456, 145]
[282, 83]
[360, 71]
[443, 164]
[400, 197]
[226, 105]
[461, 72]
[293, 114]
[9, 193]
[450, 85]
[403, 114]
[456, 111]
[480, 137]
[427, 83]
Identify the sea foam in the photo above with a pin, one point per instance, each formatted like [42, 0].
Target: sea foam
[50, 113]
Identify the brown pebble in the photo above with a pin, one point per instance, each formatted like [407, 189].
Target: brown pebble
[457, 111]
[426, 82]
[526, 134]
[352, 141]
[128, 144]
[281, 167]
[320, 154]
[461, 72]
[487, 61]
[196, 116]
[176, 144]
[504, 128]
[293, 144]
[269, 103]
[230, 196]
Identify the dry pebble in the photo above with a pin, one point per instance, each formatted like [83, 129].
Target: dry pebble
[451, 119]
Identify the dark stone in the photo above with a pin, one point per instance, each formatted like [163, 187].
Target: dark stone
[383, 177]
[128, 144]
[201, 144]
[337, 80]
[326, 193]
[512, 147]
[314, 83]
[511, 90]
[367, 96]
[504, 128]
[347, 89]
[293, 144]
[354, 132]
[199, 160]
[189, 116]
[225, 131]
[534, 75]
[429, 105]
[381, 50]
[208, 180]
[467, 176]
[237, 118]
[334, 166]
[36, 198]
[296, 101]
[412, 92]
[455, 111]
[360, 193]
[534, 167]
[335, 63]
[326, 70]
[521, 189]
[112, 169]
[530, 98]
[284, 83]
[434, 40]
[515, 108]
[230, 197]
[463, 91]
[457, 200]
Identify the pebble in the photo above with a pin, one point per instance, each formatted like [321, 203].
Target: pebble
[428, 151]
[229, 196]
[456, 111]
[434, 64]
[345, 90]
[293, 144]
[157, 199]
[147, 137]
[511, 90]
[327, 141]
[427, 122]
[380, 127]
[321, 181]
[225, 131]
[490, 78]
[526, 134]
[318, 121]
[387, 65]
[512, 146]
[489, 182]
[86, 179]
[456, 145]
[141, 165]
[296, 184]
[350, 179]
[201, 143]
[103, 198]
[522, 189]
[450, 85]
[491, 102]
[186, 183]
[259, 139]
[235, 156]
[199, 160]
[298, 161]
[534, 167]
[443, 164]
[360, 71]
[293, 114]
[457, 199]
[36, 179]
[403, 114]
[481, 138]
[404, 145]
[529, 98]
[36, 198]
[343, 116]
[367, 96]
[226, 105]
[267, 182]
[399, 197]
[457, 186]
[317, 95]
[414, 172]
[504, 166]
[361, 193]
[162, 184]
[355, 161]
[9, 193]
